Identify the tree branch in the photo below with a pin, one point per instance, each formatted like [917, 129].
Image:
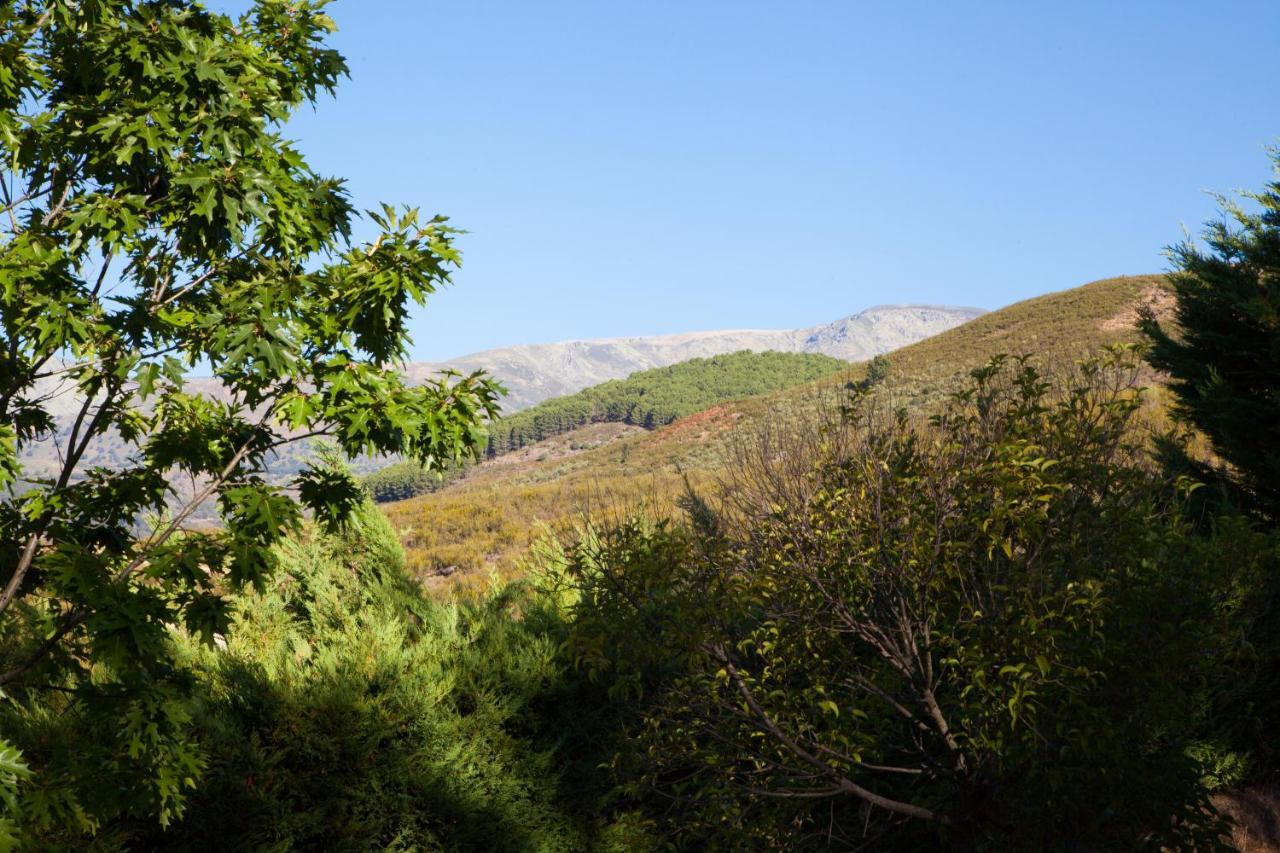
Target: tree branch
[848, 786]
[78, 614]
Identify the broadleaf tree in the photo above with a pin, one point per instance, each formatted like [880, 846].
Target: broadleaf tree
[155, 221]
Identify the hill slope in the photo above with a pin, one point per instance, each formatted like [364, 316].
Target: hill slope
[653, 398]
[485, 521]
[647, 399]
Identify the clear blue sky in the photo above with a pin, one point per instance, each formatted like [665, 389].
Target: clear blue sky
[649, 167]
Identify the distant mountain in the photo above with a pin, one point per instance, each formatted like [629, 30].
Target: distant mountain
[537, 372]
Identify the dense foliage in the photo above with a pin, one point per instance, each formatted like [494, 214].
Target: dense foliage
[1222, 355]
[759, 674]
[898, 633]
[1223, 359]
[348, 712]
[153, 218]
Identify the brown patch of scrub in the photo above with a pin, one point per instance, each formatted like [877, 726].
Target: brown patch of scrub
[701, 422]
[1158, 298]
[1256, 815]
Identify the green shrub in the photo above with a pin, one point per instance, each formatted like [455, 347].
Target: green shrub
[347, 712]
[994, 629]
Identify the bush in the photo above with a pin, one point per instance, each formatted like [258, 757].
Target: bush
[347, 712]
[994, 629]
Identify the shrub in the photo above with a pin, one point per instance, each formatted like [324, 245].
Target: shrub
[348, 712]
[993, 629]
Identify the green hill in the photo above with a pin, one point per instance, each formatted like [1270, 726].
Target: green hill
[654, 398]
[485, 521]
[648, 399]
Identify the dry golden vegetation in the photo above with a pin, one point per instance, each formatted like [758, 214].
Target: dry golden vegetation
[482, 525]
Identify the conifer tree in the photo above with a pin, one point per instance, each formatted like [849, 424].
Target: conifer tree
[1224, 358]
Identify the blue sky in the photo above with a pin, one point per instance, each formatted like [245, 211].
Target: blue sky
[650, 167]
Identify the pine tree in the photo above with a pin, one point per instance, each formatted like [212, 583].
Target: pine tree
[1224, 359]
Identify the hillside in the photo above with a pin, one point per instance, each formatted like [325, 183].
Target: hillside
[648, 399]
[536, 372]
[653, 398]
[484, 522]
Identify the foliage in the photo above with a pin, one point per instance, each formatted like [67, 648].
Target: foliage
[1224, 359]
[877, 372]
[1222, 356]
[153, 220]
[344, 710]
[347, 712]
[901, 633]
[13, 770]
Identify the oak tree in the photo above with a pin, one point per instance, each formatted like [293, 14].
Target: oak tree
[155, 222]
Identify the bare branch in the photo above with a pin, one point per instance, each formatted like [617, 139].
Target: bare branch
[770, 727]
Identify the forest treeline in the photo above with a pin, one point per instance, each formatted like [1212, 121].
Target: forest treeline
[654, 398]
[649, 399]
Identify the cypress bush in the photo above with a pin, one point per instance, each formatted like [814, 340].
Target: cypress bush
[348, 712]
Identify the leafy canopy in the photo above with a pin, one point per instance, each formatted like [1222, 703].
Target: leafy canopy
[153, 220]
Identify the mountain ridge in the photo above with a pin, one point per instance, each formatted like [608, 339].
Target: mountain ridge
[537, 372]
